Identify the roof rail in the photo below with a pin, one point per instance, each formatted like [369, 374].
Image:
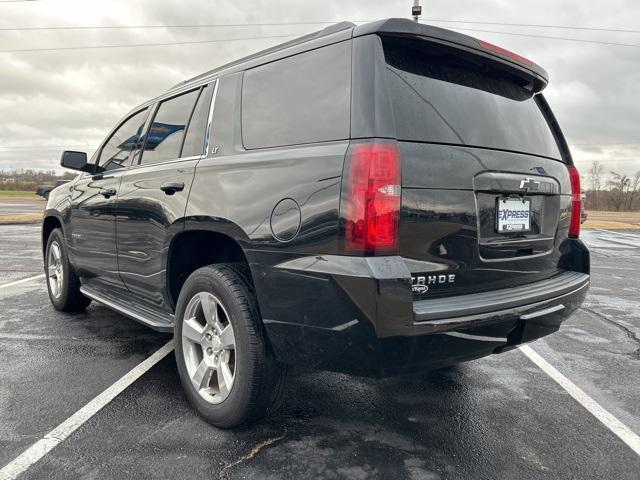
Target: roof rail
[338, 27]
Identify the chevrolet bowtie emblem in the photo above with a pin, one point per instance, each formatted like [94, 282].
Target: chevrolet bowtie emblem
[529, 184]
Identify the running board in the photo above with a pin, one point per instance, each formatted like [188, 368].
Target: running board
[155, 320]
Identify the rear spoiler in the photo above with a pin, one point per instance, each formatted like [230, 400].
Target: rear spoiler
[403, 27]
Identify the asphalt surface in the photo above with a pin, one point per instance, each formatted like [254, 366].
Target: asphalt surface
[15, 206]
[498, 417]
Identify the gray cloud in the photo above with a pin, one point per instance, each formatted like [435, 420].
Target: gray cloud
[74, 97]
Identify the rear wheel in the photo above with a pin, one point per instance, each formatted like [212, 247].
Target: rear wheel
[225, 366]
[62, 282]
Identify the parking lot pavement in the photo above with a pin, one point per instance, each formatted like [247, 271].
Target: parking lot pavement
[499, 417]
[21, 252]
[600, 347]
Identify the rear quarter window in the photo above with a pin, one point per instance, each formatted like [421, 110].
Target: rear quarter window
[194, 140]
[441, 95]
[300, 99]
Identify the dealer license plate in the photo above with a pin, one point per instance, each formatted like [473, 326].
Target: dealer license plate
[513, 215]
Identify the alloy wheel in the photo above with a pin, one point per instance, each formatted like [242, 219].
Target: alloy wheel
[55, 273]
[209, 347]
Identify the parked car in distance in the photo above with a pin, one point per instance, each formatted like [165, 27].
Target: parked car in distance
[376, 199]
[45, 190]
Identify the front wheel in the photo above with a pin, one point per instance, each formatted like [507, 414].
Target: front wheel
[62, 282]
[225, 366]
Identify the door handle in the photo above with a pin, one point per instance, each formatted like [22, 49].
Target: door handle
[172, 187]
[107, 192]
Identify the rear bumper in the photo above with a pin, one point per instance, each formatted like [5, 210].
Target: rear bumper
[357, 315]
[446, 313]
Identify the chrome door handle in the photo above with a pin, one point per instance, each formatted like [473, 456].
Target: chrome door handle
[172, 187]
[107, 192]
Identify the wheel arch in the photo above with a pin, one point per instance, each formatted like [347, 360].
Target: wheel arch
[203, 241]
[50, 222]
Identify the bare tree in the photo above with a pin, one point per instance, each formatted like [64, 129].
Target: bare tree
[595, 182]
[633, 190]
[618, 187]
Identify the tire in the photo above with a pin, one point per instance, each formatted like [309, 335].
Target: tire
[62, 282]
[231, 341]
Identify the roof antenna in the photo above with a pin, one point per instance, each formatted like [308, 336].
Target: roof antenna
[416, 10]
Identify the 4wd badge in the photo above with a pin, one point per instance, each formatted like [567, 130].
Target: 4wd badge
[421, 283]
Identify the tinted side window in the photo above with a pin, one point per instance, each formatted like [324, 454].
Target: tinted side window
[196, 132]
[301, 99]
[116, 150]
[164, 139]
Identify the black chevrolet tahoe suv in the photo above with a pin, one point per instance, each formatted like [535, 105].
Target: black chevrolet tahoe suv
[374, 199]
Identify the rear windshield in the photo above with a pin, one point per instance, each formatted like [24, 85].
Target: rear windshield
[442, 95]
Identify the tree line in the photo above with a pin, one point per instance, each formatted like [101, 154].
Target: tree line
[603, 191]
[613, 191]
[29, 179]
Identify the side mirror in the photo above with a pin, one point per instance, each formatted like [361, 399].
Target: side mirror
[74, 160]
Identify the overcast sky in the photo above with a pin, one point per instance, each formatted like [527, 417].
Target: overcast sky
[50, 100]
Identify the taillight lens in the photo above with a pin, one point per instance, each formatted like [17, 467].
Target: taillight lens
[576, 202]
[371, 202]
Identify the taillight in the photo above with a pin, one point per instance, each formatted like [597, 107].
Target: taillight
[576, 202]
[371, 198]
